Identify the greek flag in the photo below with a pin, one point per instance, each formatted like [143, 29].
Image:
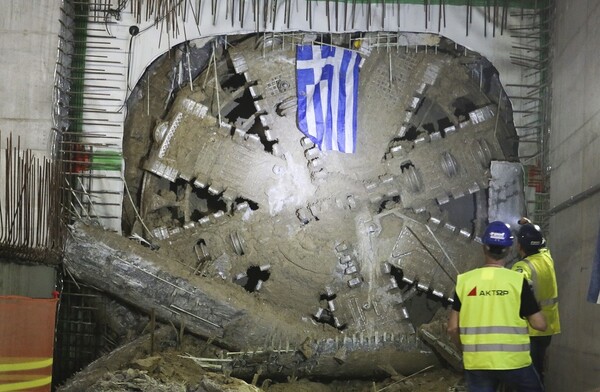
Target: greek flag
[327, 85]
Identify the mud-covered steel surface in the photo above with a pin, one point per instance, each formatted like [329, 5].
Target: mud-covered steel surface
[256, 238]
[278, 340]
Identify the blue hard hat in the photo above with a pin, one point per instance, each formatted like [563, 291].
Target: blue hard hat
[498, 234]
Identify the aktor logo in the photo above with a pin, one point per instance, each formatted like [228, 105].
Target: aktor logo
[486, 293]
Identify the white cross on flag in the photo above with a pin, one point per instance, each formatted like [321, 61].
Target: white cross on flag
[327, 85]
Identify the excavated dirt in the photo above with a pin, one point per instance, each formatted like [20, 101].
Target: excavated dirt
[173, 370]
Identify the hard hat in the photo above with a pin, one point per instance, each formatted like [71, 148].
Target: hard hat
[498, 234]
[530, 236]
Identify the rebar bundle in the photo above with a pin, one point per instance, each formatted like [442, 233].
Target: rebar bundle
[31, 225]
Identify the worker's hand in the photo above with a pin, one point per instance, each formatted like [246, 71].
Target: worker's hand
[523, 220]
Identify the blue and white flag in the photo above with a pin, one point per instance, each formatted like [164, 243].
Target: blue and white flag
[327, 85]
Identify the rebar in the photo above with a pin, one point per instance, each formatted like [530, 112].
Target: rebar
[31, 225]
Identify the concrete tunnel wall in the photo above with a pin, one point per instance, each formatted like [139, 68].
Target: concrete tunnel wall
[28, 44]
[574, 158]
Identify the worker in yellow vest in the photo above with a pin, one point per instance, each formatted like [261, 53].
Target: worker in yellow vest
[538, 267]
[491, 311]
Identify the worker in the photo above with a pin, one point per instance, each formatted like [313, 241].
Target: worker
[490, 313]
[538, 267]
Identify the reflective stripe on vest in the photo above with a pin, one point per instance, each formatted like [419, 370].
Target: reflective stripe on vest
[479, 348]
[534, 279]
[535, 283]
[482, 347]
[549, 302]
[485, 330]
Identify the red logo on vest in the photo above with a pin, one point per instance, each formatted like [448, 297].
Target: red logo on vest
[473, 292]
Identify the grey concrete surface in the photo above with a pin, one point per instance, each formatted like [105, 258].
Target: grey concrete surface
[28, 43]
[574, 145]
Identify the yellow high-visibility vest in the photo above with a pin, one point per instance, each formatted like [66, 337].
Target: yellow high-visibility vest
[493, 335]
[539, 271]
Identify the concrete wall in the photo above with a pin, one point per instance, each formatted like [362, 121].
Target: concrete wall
[575, 160]
[28, 43]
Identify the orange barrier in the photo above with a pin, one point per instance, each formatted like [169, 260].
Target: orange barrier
[26, 343]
